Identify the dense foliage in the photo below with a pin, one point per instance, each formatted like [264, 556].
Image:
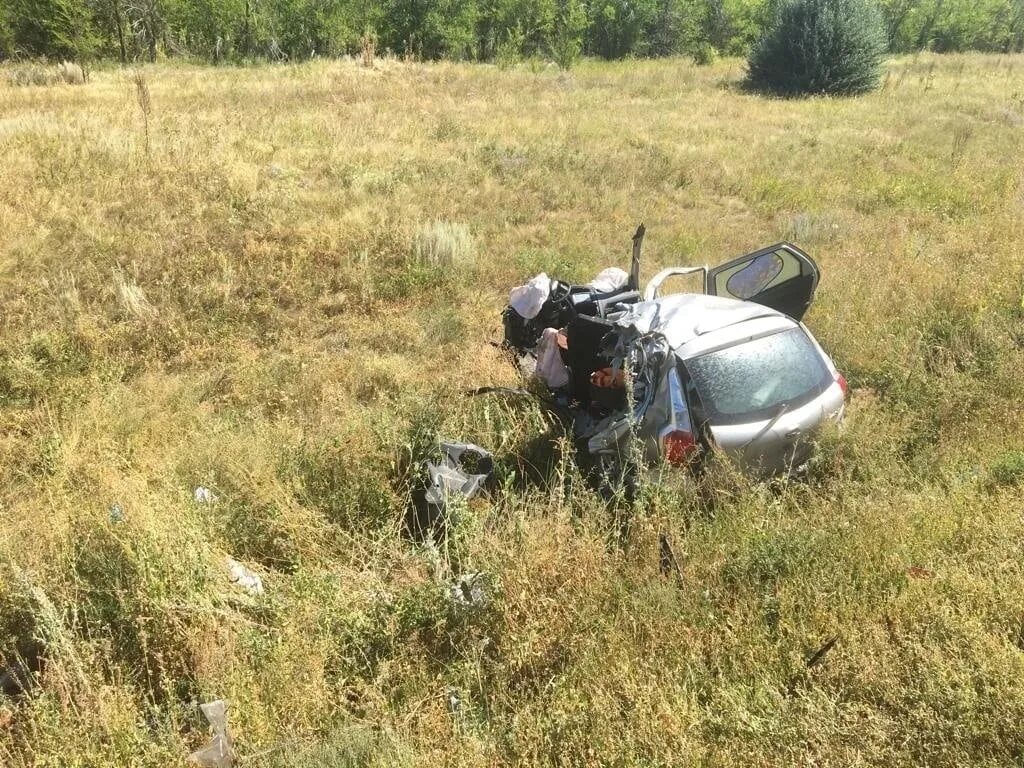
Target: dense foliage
[218, 30]
[820, 46]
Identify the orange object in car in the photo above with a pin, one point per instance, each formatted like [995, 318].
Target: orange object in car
[609, 379]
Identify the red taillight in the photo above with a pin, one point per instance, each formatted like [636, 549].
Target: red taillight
[841, 381]
[678, 447]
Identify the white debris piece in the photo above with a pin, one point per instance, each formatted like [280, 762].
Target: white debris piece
[243, 577]
[203, 495]
[550, 368]
[217, 753]
[454, 700]
[468, 589]
[528, 299]
[608, 280]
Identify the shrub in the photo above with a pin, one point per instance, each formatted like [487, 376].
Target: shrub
[442, 244]
[566, 39]
[44, 75]
[509, 51]
[352, 494]
[617, 28]
[819, 46]
[958, 339]
[132, 298]
[70, 73]
[704, 55]
[1008, 469]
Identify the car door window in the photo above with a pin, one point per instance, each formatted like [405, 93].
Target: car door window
[754, 276]
[781, 277]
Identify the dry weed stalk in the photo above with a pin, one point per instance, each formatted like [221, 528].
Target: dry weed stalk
[144, 101]
[132, 298]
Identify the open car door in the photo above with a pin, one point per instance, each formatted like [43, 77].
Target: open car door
[780, 276]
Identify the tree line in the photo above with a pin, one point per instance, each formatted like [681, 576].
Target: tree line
[484, 30]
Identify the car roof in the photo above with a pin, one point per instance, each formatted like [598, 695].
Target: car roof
[692, 322]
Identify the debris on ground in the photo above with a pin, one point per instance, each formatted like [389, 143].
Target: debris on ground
[463, 472]
[468, 589]
[242, 576]
[818, 655]
[217, 753]
[116, 513]
[452, 476]
[203, 495]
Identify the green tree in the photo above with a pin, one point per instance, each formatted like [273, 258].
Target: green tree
[209, 28]
[527, 23]
[6, 34]
[820, 46]
[733, 26]
[954, 25]
[566, 39]
[58, 29]
[431, 29]
[112, 32]
[982, 25]
[146, 20]
[302, 28]
[674, 28]
[618, 28]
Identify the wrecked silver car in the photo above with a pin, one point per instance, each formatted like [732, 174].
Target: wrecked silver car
[648, 377]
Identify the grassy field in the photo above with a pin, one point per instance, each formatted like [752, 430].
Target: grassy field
[276, 282]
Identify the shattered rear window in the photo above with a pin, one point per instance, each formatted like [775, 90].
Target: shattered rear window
[751, 381]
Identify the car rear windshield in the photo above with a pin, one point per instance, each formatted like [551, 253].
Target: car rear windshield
[753, 380]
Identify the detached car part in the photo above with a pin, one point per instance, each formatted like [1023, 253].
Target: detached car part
[452, 476]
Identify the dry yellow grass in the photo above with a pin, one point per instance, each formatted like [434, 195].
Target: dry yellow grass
[278, 294]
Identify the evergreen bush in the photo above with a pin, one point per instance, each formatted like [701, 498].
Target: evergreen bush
[819, 46]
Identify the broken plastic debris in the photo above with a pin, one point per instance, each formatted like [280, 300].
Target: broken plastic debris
[528, 299]
[444, 480]
[608, 280]
[243, 577]
[450, 476]
[116, 513]
[217, 753]
[468, 589]
[203, 495]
